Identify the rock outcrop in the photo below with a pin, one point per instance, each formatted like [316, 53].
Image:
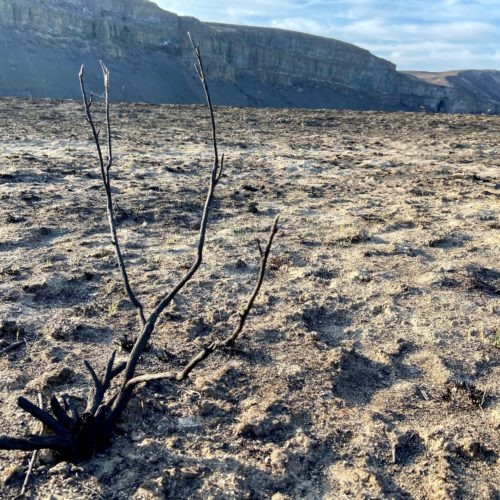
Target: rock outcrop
[43, 43]
[467, 85]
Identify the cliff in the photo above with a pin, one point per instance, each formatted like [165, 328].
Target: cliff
[43, 43]
[476, 85]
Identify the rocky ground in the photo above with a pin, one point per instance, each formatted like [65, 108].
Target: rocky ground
[369, 367]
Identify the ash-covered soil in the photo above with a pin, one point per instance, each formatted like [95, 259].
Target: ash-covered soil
[370, 365]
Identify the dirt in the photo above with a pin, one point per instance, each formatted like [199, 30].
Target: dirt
[369, 367]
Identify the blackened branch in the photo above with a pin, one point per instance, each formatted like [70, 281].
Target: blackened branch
[143, 339]
[264, 256]
[230, 339]
[63, 418]
[34, 443]
[105, 168]
[201, 74]
[46, 418]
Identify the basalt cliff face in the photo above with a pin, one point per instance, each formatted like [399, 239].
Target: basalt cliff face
[43, 43]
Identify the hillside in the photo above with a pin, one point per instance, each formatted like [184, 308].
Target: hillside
[483, 84]
[43, 43]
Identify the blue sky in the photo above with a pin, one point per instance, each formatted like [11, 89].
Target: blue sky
[433, 35]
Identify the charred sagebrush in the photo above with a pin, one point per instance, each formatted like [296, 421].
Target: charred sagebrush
[76, 433]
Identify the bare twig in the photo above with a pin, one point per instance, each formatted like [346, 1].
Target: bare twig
[91, 490]
[230, 339]
[221, 168]
[261, 252]
[483, 399]
[105, 74]
[140, 344]
[33, 456]
[12, 347]
[96, 395]
[105, 168]
[394, 453]
[264, 255]
[201, 73]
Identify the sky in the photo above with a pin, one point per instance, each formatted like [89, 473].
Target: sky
[424, 35]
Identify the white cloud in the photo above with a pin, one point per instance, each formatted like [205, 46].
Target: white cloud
[415, 34]
[302, 25]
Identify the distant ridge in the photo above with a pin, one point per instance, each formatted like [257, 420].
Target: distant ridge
[481, 84]
[42, 44]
